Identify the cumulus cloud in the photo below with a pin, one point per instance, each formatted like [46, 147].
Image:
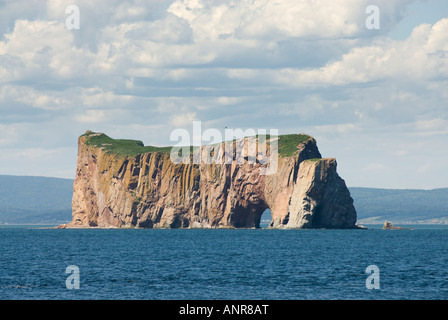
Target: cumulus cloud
[91, 116]
[139, 69]
[279, 19]
[117, 36]
[424, 55]
[34, 98]
[40, 49]
[183, 120]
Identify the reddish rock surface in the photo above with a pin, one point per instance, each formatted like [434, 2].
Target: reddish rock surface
[150, 191]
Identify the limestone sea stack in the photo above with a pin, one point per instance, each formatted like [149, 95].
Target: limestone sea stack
[389, 226]
[124, 184]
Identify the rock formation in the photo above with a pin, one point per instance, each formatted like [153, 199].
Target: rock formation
[389, 226]
[121, 183]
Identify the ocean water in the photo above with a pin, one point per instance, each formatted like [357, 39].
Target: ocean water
[202, 264]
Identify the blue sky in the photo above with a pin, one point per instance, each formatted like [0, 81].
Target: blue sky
[374, 99]
[420, 12]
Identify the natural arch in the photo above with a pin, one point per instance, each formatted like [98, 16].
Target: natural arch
[265, 219]
[248, 216]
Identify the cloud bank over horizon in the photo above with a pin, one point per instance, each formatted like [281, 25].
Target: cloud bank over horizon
[140, 69]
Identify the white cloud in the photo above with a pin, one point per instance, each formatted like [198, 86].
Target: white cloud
[138, 69]
[198, 33]
[97, 97]
[279, 19]
[424, 168]
[41, 49]
[183, 120]
[91, 116]
[33, 97]
[424, 55]
[8, 135]
[432, 127]
[374, 168]
[337, 128]
[51, 162]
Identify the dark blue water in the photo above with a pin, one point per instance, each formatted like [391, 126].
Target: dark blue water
[224, 264]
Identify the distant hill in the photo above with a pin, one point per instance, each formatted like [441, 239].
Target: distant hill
[35, 200]
[40, 200]
[401, 206]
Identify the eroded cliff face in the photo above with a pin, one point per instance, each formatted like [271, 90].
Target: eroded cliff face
[149, 191]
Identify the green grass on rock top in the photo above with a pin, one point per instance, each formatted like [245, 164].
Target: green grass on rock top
[121, 146]
[287, 144]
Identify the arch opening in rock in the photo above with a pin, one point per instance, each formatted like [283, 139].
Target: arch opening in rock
[247, 215]
[265, 219]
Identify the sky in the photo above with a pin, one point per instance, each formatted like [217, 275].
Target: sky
[375, 99]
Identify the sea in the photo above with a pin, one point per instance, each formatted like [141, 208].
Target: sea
[45, 263]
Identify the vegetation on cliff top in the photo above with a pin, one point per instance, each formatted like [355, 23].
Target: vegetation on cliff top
[122, 147]
[287, 144]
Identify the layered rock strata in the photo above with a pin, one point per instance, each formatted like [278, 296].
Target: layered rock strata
[148, 190]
